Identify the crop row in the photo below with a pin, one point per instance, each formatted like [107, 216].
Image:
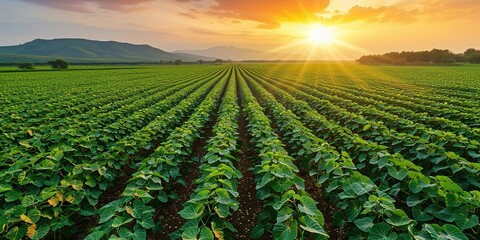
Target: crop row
[429, 199]
[81, 172]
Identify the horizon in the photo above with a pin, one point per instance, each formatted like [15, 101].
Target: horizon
[317, 30]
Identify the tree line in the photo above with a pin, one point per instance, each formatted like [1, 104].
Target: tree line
[434, 56]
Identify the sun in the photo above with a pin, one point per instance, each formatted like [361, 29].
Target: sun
[321, 35]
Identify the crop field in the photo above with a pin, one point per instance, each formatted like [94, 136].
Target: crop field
[241, 151]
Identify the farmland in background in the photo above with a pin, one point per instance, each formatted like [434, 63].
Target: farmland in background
[239, 151]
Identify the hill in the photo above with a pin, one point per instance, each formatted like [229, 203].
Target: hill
[237, 54]
[89, 51]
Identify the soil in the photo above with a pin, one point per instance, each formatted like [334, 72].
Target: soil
[244, 219]
[167, 213]
[327, 209]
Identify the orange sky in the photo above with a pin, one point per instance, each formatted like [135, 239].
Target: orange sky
[361, 26]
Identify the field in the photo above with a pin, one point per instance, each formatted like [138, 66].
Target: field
[240, 151]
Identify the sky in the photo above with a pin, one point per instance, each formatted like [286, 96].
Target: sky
[358, 27]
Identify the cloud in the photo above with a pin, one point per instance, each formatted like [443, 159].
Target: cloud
[83, 5]
[268, 13]
[407, 12]
[384, 14]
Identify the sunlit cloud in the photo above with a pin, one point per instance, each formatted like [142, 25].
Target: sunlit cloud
[85, 5]
[270, 14]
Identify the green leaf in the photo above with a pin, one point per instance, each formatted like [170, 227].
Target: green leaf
[206, 234]
[139, 233]
[28, 200]
[398, 218]
[34, 215]
[364, 224]
[5, 187]
[119, 221]
[311, 225]
[222, 210]
[452, 200]
[399, 175]
[451, 155]
[463, 221]
[453, 233]
[361, 188]
[192, 211]
[366, 127]
[420, 215]
[95, 235]
[309, 206]
[282, 231]
[106, 212]
[381, 231]
[41, 231]
[257, 231]
[191, 233]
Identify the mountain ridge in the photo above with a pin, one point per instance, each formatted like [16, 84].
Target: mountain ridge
[80, 50]
[237, 53]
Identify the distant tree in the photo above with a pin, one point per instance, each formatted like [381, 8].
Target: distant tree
[178, 62]
[218, 61]
[200, 61]
[474, 58]
[162, 62]
[26, 66]
[471, 51]
[59, 63]
[422, 57]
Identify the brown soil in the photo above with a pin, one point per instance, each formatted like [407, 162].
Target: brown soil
[167, 213]
[327, 209]
[244, 219]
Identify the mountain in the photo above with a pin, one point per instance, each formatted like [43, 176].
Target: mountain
[89, 51]
[234, 53]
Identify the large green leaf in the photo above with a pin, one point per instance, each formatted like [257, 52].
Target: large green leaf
[95, 235]
[139, 233]
[311, 225]
[119, 221]
[452, 233]
[463, 221]
[192, 211]
[364, 224]
[191, 233]
[399, 175]
[257, 231]
[106, 212]
[206, 234]
[282, 231]
[381, 231]
[308, 206]
[398, 218]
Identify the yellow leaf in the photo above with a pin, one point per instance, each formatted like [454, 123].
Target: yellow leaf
[25, 144]
[55, 214]
[218, 233]
[129, 211]
[32, 229]
[30, 132]
[53, 201]
[26, 218]
[60, 196]
[70, 199]
[101, 171]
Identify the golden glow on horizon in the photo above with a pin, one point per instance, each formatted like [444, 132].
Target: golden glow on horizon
[321, 35]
